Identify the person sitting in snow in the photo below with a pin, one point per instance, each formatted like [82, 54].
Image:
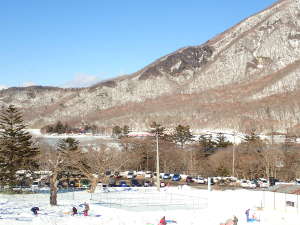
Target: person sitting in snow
[254, 217]
[235, 220]
[74, 211]
[86, 209]
[162, 221]
[35, 210]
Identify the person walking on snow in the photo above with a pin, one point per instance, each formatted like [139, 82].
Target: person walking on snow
[247, 214]
[162, 221]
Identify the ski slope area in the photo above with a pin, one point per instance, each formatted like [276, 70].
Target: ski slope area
[221, 205]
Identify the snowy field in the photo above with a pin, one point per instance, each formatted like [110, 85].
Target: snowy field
[214, 207]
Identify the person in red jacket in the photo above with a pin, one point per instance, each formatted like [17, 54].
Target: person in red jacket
[162, 221]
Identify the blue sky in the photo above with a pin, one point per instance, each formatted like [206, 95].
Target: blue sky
[78, 42]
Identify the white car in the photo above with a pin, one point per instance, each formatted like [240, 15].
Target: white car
[244, 183]
[200, 180]
[35, 185]
[148, 174]
[263, 183]
[248, 184]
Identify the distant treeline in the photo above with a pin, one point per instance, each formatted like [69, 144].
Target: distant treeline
[61, 128]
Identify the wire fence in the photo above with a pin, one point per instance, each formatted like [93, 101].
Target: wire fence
[129, 198]
[280, 201]
[148, 199]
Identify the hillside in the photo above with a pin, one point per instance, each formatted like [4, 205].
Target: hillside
[246, 77]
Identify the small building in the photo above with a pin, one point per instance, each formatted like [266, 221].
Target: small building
[282, 197]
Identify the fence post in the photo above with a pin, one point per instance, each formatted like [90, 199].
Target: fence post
[284, 202]
[274, 200]
[297, 205]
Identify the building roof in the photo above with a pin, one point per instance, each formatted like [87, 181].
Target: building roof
[286, 188]
[140, 134]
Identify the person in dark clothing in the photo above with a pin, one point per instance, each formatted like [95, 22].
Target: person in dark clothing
[35, 210]
[235, 220]
[74, 211]
[247, 214]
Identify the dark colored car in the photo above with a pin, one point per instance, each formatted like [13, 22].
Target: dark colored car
[117, 175]
[135, 183]
[189, 179]
[176, 177]
[166, 176]
[147, 183]
[107, 173]
[123, 183]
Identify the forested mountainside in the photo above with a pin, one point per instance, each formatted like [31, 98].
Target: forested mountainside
[246, 77]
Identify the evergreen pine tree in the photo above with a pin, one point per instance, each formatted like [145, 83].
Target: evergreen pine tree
[157, 129]
[182, 135]
[117, 131]
[17, 150]
[125, 130]
[221, 141]
[252, 137]
[207, 143]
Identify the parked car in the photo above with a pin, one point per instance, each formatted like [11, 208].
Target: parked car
[166, 176]
[135, 183]
[107, 173]
[35, 185]
[148, 174]
[253, 184]
[248, 184]
[123, 183]
[263, 183]
[212, 181]
[117, 175]
[147, 183]
[273, 181]
[176, 177]
[130, 175]
[162, 184]
[200, 180]
[189, 179]
[244, 183]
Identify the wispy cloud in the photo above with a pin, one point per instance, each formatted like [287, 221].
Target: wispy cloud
[3, 87]
[28, 84]
[82, 80]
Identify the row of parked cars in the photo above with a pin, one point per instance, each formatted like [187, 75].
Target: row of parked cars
[176, 177]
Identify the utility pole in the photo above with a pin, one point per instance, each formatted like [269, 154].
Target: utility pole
[233, 154]
[157, 164]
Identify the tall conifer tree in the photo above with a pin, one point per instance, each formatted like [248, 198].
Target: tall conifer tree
[17, 150]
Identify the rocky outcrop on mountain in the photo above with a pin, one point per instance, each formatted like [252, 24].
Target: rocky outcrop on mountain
[246, 77]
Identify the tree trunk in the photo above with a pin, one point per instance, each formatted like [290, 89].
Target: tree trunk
[53, 189]
[93, 186]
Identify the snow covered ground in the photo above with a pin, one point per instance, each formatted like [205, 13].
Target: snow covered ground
[221, 205]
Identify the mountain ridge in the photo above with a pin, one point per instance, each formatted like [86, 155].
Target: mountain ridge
[233, 80]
